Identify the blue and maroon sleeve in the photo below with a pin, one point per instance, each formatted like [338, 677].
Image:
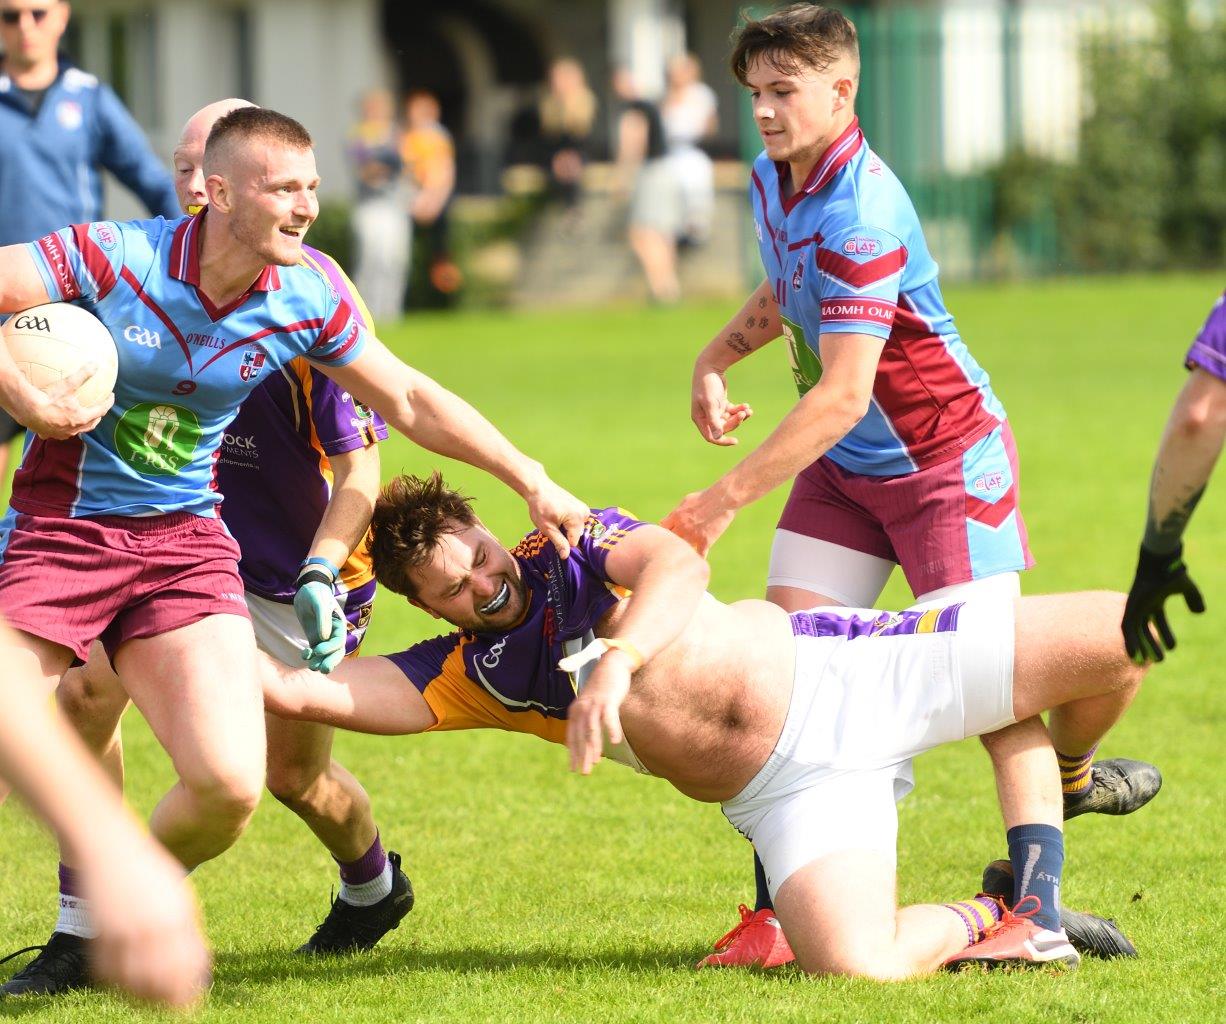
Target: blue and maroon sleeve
[343, 335]
[858, 274]
[80, 262]
[1208, 351]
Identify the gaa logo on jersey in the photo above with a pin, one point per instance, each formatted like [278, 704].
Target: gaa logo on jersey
[860, 246]
[252, 363]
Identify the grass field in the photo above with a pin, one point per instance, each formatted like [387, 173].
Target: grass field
[546, 897]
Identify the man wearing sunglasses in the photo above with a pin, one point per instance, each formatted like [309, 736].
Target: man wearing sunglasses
[61, 127]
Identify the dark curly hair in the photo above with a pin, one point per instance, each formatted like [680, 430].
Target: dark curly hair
[410, 516]
[798, 37]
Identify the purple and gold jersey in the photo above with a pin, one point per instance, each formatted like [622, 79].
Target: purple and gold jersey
[846, 254]
[185, 365]
[274, 470]
[1208, 351]
[511, 680]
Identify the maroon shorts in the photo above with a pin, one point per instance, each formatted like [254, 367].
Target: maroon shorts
[116, 578]
[950, 523]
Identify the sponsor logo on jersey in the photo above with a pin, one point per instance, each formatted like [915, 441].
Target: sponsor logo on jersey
[989, 482]
[68, 113]
[245, 442]
[251, 365]
[142, 336]
[53, 253]
[25, 322]
[106, 237]
[861, 246]
[206, 341]
[157, 439]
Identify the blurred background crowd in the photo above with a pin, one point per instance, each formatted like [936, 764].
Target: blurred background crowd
[583, 151]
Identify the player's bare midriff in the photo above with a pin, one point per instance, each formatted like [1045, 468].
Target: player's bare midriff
[707, 711]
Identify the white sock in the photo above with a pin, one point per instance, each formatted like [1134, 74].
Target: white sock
[74, 918]
[367, 894]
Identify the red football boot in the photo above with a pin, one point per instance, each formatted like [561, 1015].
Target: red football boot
[1017, 941]
[757, 941]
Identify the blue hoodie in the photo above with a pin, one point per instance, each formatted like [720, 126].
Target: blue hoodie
[50, 162]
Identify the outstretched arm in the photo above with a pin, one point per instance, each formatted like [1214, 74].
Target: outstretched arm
[1189, 450]
[431, 416]
[667, 581]
[362, 695]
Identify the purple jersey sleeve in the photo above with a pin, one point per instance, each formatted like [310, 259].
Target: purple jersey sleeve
[604, 530]
[428, 660]
[1208, 351]
[858, 275]
[342, 423]
[79, 262]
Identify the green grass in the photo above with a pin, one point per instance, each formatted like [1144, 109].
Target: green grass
[544, 897]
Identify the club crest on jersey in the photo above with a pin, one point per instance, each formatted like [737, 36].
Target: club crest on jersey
[69, 115]
[252, 363]
[799, 273]
[860, 246]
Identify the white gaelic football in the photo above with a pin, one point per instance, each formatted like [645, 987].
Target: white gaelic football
[53, 341]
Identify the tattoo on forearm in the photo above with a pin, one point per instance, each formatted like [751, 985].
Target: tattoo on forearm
[763, 323]
[750, 321]
[762, 302]
[1165, 534]
[736, 341]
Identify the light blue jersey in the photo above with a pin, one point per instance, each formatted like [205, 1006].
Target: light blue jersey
[845, 254]
[185, 365]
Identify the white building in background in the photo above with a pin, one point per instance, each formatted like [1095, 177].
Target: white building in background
[487, 58]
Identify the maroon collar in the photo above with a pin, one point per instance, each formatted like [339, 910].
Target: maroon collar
[185, 266]
[838, 154]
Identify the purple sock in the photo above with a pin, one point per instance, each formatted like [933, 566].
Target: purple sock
[366, 868]
[70, 884]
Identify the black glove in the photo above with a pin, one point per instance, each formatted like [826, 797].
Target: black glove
[1157, 578]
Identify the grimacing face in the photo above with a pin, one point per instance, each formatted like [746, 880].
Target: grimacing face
[270, 199]
[472, 581]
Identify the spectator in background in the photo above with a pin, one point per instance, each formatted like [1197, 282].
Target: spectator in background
[567, 115]
[382, 228]
[429, 157]
[59, 127]
[689, 112]
[649, 176]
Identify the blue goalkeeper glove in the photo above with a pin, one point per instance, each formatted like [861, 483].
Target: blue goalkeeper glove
[320, 615]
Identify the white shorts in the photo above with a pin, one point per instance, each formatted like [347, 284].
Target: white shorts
[872, 690]
[279, 634]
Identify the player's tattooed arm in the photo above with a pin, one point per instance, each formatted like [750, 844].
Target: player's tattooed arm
[736, 341]
[1190, 448]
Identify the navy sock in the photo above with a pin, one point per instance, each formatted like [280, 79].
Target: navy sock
[1037, 855]
[762, 898]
